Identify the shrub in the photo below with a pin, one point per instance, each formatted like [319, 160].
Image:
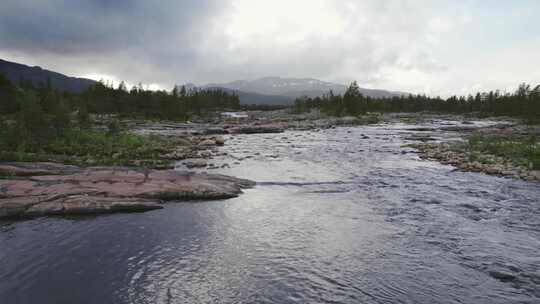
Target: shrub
[32, 125]
[113, 126]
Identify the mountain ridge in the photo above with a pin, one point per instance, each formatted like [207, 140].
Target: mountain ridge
[16, 72]
[251, 98]
[296, 87]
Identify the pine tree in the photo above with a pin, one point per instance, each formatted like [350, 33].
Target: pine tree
[83, 117]
[122, 87]
[32, 123]
[61, 117]
[183, 92]
[352, 100]
[8, 96]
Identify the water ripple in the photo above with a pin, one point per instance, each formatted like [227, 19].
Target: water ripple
[337, 216]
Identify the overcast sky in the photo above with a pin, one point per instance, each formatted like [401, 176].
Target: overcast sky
[434, 47]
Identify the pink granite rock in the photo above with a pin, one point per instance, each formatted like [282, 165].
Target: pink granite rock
[103, 190]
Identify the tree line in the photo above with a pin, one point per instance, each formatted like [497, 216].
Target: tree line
[101, 98]
[33, 115]
[524, 103]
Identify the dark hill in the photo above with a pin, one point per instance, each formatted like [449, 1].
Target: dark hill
[16, 72]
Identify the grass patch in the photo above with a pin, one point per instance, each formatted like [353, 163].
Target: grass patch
[521, 150]
[91, 147]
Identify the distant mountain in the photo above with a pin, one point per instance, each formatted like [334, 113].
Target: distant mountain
[295, 87]
[267, 90]
[249, 98]
[16, 72]
[280, 86]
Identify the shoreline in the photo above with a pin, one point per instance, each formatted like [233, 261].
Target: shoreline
[481, 150]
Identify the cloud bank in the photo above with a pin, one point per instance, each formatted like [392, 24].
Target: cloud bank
[434, 47]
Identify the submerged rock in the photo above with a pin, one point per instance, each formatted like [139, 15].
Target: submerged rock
[502, 276]
[420, 137]
[253, 129]
[214, 131]
[106, 190]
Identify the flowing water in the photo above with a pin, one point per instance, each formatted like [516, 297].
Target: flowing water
[345, 215]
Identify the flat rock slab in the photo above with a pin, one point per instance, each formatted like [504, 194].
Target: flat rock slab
[104, 190]
[33, 169]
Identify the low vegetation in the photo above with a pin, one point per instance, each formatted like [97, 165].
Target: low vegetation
[39, 123]
[88, 147]
[34, 134]
[509, 151]
[523, 151]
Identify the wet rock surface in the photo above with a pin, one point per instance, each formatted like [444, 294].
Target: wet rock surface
[255, 129]
[33, 169]
[195, 163]
[104, 190]
[447, 144]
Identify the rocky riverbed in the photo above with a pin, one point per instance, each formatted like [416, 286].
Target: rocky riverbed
[505, 150]
[198, 142]
[437, 137]
[35, 189]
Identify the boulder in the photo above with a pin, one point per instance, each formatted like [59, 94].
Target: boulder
[175, 155]
[220, 141]
[207, 142]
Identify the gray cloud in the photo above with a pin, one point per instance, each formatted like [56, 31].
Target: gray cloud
[79, 26]
[417, 46]
[137, 40]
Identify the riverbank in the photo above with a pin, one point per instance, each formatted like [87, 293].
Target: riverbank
[503, 150]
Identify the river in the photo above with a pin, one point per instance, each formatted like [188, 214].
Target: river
[344, 215]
